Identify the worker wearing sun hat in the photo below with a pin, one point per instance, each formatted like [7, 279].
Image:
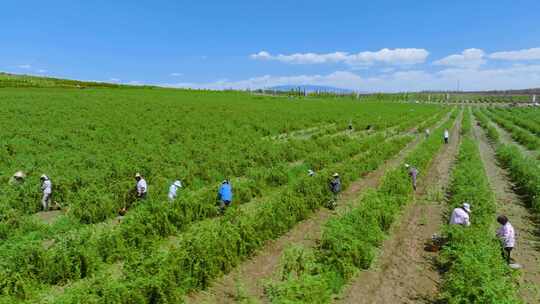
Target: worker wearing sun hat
[335, 184]
[17, 178]
[173, 190]
[461, 215]
[225, 195]
[141, 186]
[46, 188]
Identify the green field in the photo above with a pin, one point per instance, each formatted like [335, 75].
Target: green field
[92, 141]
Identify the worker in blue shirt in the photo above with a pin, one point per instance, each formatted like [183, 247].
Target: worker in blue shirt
[225, 195]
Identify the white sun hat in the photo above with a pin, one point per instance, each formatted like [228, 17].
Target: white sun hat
[19, 174]
[335, 174]
[311, 172]
[43, 176]
[178, 183]
[137, 175]
[407, 165]
[467, 207]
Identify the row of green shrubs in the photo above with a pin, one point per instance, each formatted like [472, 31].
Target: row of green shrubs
[476, 271]
[25, 259]
[518, 134]
[519, 118]
[164, 272]
[350, 241]
[524, 171]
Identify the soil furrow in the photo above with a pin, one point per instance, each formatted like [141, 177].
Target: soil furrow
[527, 251]
[404, 271]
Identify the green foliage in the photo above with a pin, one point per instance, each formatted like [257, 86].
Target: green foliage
[477, 272]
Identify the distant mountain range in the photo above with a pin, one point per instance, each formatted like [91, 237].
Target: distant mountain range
[311, 88]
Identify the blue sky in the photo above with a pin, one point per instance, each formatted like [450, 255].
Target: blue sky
[369, 46]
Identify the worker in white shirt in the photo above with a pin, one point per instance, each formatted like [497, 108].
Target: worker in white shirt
[446, 136]
[142, 187]
[427, 133]
[311, 172]
[173, 190]
[460, 215]
[46, 188]
[507, 236]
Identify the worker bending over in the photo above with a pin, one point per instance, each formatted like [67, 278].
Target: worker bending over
[460, 215]
[225, 195]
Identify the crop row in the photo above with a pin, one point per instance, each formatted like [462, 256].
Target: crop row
[212, 247]
[476, 272]
[139, 230]
[153, 212]
[350, 241]
[524, 171]
[92, 155]
[519, 118]
[520, 135]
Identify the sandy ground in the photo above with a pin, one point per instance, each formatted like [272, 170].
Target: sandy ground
[527, 226]
[405, 272]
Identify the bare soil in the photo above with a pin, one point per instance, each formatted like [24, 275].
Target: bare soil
[527, 226]
[49, 217]
[405, 272]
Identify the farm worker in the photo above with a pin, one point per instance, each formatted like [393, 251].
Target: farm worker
[17, 178]
[460, 215]
[142, 187]
[350, 126]
[46, 187]
[335, 184]
[427, 133]
[507, 236]
[446, 136]
[413, 173]
[311, 172]
[225, 195]
[173, 190]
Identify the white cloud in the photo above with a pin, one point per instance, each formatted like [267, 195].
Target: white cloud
[340, 79]
[176, 74]
[525, 54]
[24, 66]
[387, 56]
[469, 58]
[42, 71]
[514, 77]
[114, 80]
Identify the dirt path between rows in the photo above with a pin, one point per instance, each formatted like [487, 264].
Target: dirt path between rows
[404, 271]
[527, 226]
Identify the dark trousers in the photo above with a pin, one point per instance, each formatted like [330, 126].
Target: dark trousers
[446, 140]
[506, 254]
